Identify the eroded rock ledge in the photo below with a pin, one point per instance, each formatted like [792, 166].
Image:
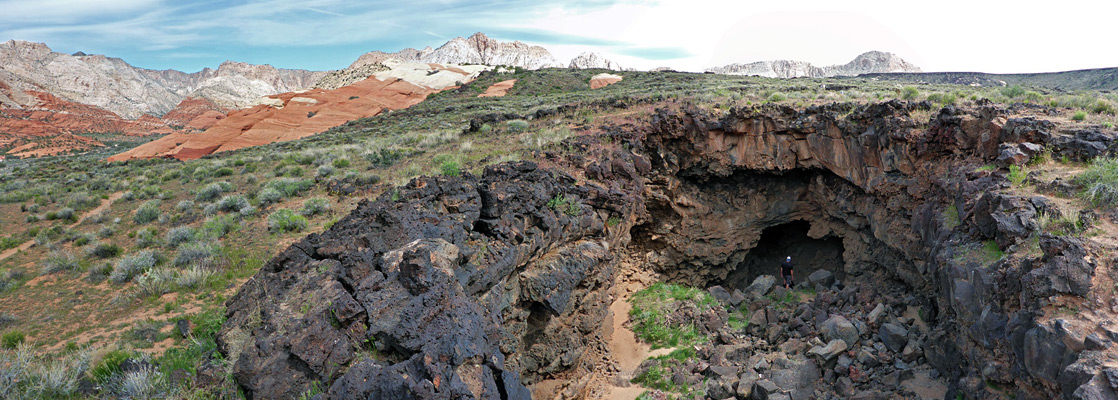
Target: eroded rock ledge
[473, 287]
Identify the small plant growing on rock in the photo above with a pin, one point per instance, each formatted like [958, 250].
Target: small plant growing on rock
[1017, 175]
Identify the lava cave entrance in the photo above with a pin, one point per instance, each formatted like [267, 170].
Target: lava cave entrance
[783, 240]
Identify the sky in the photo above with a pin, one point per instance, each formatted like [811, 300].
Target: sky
[691, 35]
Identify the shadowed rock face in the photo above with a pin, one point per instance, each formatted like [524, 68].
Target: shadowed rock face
[475, 286]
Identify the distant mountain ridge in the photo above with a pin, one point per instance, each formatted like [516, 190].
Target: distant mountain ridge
[113, 84]
[476, 49]
[865, 63]
[1084, 79]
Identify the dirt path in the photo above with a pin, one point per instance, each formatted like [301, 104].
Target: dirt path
[105, 203]
[625, 349]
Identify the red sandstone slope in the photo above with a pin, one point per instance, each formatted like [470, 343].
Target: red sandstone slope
[499, 89]
[302, 114]
[195, 113]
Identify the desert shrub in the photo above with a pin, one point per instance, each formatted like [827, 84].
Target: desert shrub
[910, 93]
[284, 220]
[149, 211]
[155, 282]
[1100, 181]
[232, 203]
[12, 339]
[340, 163]
[58, 261]
[324, 171]
[147, 237]
[222, 172]
[99, 271]
[1013, 92]
[1078, 116]
[141, 383]
[106, 231]
[1034, 97]
[314, 206]
[385, 157]
[196, 253]
[218, 226]
[103, 250]
[288, 186]
[179, 235]
[131, 265]
[109, 365]
[267, 196]
[544, 138]
[212, 191]
[942, 98]
[776, 97]
[194, 277]
[1017, 175]
[517, 125]
[184, 206]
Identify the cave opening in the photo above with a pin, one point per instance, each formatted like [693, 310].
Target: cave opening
[788, 240]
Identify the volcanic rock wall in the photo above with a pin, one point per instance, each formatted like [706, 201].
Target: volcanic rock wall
[474, 286]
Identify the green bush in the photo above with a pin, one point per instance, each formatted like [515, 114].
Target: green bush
[1100, 181]
[777, 97]
[197, 253]
[131, 265]
[910, 93]
[284, 220]
[58, 261]
[450, 168]
[104, 250]
[109, 365]
[1013, 92]
[149, 211]
[179, 235]
[517, 125]
[218, 226]
[223, 171]
[314, 206]
[12, 339]
[289, 187]
[232, 203]
[212, 191]
[341, 163]
[1017, 175]
[1079, 116]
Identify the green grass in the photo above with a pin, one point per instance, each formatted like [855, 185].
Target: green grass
[951, 217]
[1100, 182]
[659, 375]
[1017, 175]
[650, 315]
[1079, 116]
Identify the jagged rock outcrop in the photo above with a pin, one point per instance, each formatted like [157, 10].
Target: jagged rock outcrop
[442, 292]
[510, 271]
[604, 79]
[113, 84]
[593, 60]
[865, 63]
[348, 76]
[476, 49]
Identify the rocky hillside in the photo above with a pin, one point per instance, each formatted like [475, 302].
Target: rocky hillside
[476, 49]
[589, 60]
[690, 195]
[128, 91]
[865, 63]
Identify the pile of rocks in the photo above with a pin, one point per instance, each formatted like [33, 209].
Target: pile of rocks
[843, 342]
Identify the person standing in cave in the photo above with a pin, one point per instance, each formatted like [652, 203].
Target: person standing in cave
[786, 272]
